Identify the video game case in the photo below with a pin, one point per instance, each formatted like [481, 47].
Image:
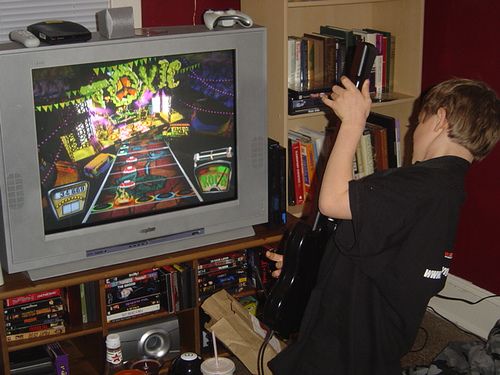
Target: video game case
[34, 328]
[222, 276]
[59, 358]
[33, 297]
[132, 277]
[132, 290]
[207, 263]
[9, 325]
[133, 304]
[223, 272]
[132, 313]
[34, 318]
[31, 335]
[35, 306]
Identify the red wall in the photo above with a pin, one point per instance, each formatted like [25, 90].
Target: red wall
[175, 12]
[461, 39]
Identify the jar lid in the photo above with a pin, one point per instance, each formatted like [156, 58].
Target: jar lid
[113, 341]
[189, 356]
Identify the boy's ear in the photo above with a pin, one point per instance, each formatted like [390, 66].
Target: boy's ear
[442, 121]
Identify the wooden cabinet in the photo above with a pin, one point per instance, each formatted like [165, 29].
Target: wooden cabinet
[85, 342]
[283, 18]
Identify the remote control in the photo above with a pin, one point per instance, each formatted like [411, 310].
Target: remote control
[24, 37]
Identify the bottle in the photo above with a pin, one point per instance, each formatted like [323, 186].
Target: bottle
[114, 357]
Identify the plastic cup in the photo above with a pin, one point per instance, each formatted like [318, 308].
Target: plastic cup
[225, 366]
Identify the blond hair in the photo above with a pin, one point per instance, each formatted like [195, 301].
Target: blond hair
[472, 110]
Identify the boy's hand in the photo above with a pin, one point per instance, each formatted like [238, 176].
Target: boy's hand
[278, 258]
[350, 104]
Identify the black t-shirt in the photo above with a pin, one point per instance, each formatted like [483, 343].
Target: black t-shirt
[379, 272]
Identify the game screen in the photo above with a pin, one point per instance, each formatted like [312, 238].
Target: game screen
[124, 139]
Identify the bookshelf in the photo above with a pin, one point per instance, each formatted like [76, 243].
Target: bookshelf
[282, 18]
[85, 342]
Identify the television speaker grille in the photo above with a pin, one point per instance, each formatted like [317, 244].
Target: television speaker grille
[15, 192]
[258, 152]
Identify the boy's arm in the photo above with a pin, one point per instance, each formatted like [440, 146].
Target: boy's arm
[352, 107]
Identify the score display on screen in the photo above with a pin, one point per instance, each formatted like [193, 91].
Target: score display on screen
[124, 139]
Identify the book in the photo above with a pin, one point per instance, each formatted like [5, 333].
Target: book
[318, 56]
[296, 166]
[393, 142]
[330, 50]
[308, 162]
[379, 144]
[387, 48]
[347, 42]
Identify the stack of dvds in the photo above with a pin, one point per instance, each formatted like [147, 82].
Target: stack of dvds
[178, 287]
[229, 272]
[132, 294]
[35, 315]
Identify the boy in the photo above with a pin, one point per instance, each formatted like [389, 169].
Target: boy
[391, 252]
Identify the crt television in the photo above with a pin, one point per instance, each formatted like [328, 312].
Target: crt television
[117, 150]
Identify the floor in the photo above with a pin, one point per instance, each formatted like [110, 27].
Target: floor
[432, 338]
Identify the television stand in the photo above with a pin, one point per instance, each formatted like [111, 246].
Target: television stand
[85, 342]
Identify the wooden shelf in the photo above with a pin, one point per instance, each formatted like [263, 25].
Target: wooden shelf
[283, 18]
[88, 339]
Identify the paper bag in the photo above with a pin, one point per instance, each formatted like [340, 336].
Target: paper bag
[239, 330]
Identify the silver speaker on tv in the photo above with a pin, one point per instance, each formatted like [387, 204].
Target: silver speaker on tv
[157, 339]
[116, 23]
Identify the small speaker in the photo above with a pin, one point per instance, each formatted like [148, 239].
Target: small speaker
[116, 23]
[157, 339]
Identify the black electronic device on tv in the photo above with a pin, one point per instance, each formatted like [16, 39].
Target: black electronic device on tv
[60, 32]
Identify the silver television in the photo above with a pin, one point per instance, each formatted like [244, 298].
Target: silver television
[118, 150]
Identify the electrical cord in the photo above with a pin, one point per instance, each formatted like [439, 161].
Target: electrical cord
[426, 337]
[262, 350]
[467, 301]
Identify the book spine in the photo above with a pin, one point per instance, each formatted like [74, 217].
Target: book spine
[33, 297]
[297, 173]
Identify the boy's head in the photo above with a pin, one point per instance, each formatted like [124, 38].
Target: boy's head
[472, 111]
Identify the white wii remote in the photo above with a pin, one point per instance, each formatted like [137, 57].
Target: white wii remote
[24, 37]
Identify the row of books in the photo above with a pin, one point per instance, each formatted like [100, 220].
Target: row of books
[35, 315]
[378, 149]
[319, 59]
[132, 294]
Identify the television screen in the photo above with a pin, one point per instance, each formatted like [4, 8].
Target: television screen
[115, 150]
[129, 138]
